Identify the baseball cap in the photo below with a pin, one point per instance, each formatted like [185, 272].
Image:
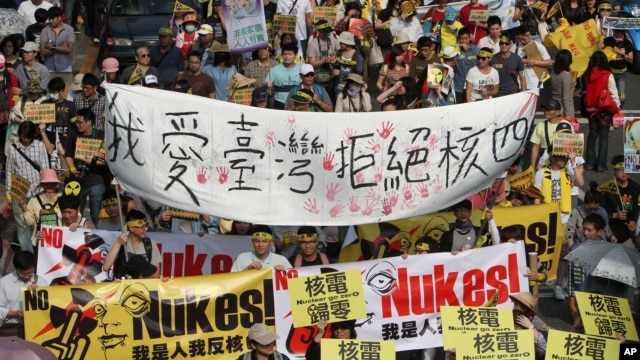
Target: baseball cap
[306, 69]
[564, 127]
[165, 31]
[110, 65]
[450, 52]
[552, 104]
[450, 14]
[205, 29]
[30, 46]
[259, 94]
[261, 334]
[150, 80]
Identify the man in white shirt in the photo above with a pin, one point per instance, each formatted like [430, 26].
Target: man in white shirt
[543, 62]
[304, 13]
[11, 287]
[28, 9]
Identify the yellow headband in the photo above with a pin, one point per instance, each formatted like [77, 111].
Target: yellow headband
[138, 222]
[262, 235]
[305, 237]
[423, 247]
[524, 34]
[485, 53]
[109, 201]
[323, 26]
[304, 95]
[619, 165]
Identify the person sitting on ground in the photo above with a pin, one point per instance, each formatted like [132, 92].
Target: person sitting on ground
[11, 286]
[135, 242]
[309, 254]
[261, 256]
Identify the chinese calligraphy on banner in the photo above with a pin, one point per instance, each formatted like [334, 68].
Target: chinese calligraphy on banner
[200, 154]
[605, 315]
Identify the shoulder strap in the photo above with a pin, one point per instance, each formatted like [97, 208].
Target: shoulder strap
[31, 162]
[298, 261]
[546, 133]
[292, 6]
[323, 257]
[147, 248]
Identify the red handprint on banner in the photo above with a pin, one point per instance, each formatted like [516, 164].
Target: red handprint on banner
[223, 174]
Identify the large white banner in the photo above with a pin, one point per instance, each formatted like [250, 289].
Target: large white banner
[287, 168]
[403, 297]
[75, 257]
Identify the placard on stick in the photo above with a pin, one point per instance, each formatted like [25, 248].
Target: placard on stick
[284, 23]
[328, 13]
[335, 296]
[19, 187]
[564, 143]
[605, 315]
[183, 214]
[40, 113]
[478, 15]
[86, 147]
[457, 320]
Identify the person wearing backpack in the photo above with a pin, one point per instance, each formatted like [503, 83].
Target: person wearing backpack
[598, 78]
[309, 254]
[135, 242]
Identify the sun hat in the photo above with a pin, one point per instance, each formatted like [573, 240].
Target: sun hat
[49, 176]
[109, 65]
[261, 334]
[76, 85]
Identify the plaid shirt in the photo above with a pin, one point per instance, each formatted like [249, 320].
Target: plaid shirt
[256, 71]
[17, 164]
[98, 105]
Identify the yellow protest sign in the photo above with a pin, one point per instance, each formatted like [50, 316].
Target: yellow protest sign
[328, 13]
[563, 143]
[19, 187]
[435, 74]
[522, 180]
[182, 318]
[457, 320]
[572, 346]
[605, 315]
[335, 296]
[510, 344]
[284, 23]
[86, 147]
[540, 225]
[40, 113]
[478, 15]
[357, 349]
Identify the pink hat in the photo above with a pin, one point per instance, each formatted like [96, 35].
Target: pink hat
[49, 176]
[110, 65]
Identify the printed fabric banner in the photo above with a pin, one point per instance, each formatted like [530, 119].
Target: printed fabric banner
[404, 297]
[246, 25]
[192, 317]
[631, 145]
[539, 223]
[68, 257]
[199, 154]
[581, 39]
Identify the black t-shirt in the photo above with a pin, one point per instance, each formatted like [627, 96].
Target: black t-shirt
[619, 63]
[65, 111]
[317, 261]
[32, 33]
[628, 200]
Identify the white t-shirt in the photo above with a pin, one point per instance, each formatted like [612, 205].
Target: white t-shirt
[530, 75]
[479, 80]
[28, 10]
[300, 10]
[245, 259]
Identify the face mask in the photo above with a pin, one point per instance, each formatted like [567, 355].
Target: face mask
[190, 28]
[54, 97]
[353, 90]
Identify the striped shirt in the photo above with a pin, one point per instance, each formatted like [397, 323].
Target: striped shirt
[17, 164]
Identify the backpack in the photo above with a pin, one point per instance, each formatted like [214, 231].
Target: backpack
[120, 265]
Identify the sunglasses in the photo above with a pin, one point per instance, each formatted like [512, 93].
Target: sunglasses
[144, 55]
[482, 58]
[609, 10]
[504, 43]
[309, 74]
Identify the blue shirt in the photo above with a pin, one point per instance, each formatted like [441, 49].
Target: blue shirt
[172, 62]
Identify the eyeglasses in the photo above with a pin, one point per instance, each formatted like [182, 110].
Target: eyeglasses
[25, 273]
[78, 122]
[482, 58]
[302, 243]
[309, 74]
[504, 43]
[592, 208]
[462, 211]
[144, 55]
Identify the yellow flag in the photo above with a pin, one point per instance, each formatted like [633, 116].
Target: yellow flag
[554, 9]
[182, 7]
[581, 39]
[136, 75]
[610, 186]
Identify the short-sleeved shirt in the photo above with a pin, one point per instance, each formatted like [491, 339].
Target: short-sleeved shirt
[39, 71]
[59, 131]
[539, 135]
[479, 80]
[98, 105]
[284, 79]
[139, 249]
[255, 70]
[168, 64]
[529, 73]
[58, 61]
[508, 69]
[299, 8]
[619, 63]
[201, 84]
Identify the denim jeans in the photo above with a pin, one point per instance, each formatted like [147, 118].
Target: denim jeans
[23, 231]
[95, 193]
[621, 84]
[597, 159]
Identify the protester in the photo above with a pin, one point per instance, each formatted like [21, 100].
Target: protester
[363, 37]
[392, 72]
[321, 101]
[283, 77]
[477, 29]
[510, 68]
[201, 84]
[563, 83]
[222, 72]
[323, 46]
[620, 197]
[135, 242]
[89, 98]
[523, 315]
[134, 74]
[57, 42]
[187, 222]
[30, 68]
[427, 54]
[8, 88]
[259, 68]
[434, 16]
[465, 235]
[407, 94]
[166, 58]
[259, 98]
[354, 97]
[533, 81]
[262, 343]
[240, 228]
[202, 44]
[185, 38]
[303, 11]
[343, 330]
[13, 284]
[261, 256]
[542, 136]
[483, 81]
[623, 53]
[111, 72]
[449, 29]
[466, 61]
[28, 9]
[43, 209]
[407, 22]
[33, 94]
[10, 51]
[111, 205]
[492, 40]
[309, 255]
[32, 32]
[348, 60]
[302, 100]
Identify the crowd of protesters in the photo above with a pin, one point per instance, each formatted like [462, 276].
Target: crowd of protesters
[323, 67]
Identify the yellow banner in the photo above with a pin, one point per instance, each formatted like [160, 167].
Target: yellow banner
[522, 180]
[510, 344]
[605, 315]
[19, 187]
[40, 113]
[334, 296]
[357, 349]
[570, 346]
[581, 39]
[539, 223]
[86, 147]
[199, 316]
[457, 320]
[565, 142]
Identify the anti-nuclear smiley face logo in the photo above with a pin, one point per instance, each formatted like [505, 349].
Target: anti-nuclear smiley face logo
[72, 188]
